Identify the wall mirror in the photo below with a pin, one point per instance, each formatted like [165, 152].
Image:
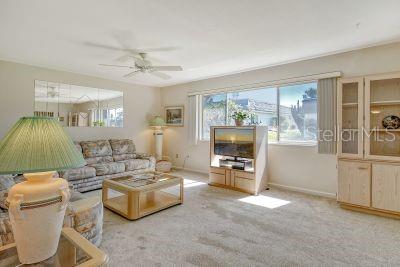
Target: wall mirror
[79, 106]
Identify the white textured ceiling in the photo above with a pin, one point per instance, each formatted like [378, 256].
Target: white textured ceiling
[208, 38]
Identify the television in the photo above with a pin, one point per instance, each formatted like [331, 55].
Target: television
[234, 142]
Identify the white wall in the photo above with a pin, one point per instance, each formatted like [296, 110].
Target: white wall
[290, 166]
[17, 100]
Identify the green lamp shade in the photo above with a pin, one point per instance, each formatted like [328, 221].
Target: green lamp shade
[157, 121]
[37, 144]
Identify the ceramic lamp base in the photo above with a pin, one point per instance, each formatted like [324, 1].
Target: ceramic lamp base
[36, 210]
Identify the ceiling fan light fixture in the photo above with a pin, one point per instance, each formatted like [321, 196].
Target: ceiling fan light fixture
[145, 66]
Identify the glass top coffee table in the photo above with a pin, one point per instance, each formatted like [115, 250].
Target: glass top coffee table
[73, 250]
[138, 195]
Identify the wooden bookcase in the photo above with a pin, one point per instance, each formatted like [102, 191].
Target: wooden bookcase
[252, 180]
[369, 163]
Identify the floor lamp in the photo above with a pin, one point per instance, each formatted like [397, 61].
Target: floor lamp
[157, 123]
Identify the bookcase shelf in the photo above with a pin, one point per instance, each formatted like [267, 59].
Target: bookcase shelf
[385, 103]
[349, 105]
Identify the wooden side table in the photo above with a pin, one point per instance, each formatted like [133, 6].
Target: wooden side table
[73, 250]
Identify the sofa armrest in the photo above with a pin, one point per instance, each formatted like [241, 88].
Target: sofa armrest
[148, 157]
[86, 217]
[142, 155]
[6, 235]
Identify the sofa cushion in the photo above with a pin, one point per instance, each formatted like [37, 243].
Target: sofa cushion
[123, 157]
[122, 146]
[99, 148]
[87, 184]
[79, 173]
[98, 160]
[136, 164]
[109, 168]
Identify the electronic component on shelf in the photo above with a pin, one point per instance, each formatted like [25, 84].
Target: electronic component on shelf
[234, 163]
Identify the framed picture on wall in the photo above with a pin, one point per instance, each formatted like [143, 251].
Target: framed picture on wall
[174, 116]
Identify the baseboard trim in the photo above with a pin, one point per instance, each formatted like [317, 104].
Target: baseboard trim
[190, 170]
[304, 190]
[286, 187]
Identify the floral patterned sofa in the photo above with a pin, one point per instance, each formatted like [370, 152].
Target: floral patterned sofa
[84, 214]
[106, 159]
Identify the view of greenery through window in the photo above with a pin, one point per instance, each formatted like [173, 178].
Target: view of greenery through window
[214, 112]
[112, 117]
[297, 111]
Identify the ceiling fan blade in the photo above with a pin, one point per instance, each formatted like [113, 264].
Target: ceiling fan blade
[109, 47]
[113, 48]
[160, 75]
[111, 65]
[167, 68]
[131, 73]
[123, 58]
[160, 49]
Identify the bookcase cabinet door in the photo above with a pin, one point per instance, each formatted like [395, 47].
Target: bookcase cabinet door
[386, 187]
[382, 112]
[350, 102]
[354, 183]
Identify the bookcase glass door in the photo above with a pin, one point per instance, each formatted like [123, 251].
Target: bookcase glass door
[350, 116]
[383, 101]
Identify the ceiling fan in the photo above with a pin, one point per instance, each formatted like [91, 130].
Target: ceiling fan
[142, 65]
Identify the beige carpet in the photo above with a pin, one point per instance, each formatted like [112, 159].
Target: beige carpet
[215, 227]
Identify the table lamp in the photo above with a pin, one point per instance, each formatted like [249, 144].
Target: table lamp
[37, 147]
[157, 123]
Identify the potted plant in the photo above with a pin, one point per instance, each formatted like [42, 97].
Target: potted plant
[239, 116]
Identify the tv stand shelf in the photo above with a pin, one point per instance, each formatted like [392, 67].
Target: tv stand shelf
[252, 180]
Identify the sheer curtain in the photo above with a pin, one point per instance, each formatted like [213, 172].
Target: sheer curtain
[327, 116]
[193, 119]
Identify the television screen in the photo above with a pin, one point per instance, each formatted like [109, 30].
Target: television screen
[234, 142]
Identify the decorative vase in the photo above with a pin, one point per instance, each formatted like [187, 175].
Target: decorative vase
[36, 209]
[238, 122]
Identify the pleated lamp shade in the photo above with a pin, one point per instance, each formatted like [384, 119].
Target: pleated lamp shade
[37, 144]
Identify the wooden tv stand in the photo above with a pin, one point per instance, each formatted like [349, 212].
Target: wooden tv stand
[252, 180]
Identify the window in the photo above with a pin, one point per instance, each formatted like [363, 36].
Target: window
[112, 117]
[295, 104]
[262, 105]
[214, 112]
[298, 112]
